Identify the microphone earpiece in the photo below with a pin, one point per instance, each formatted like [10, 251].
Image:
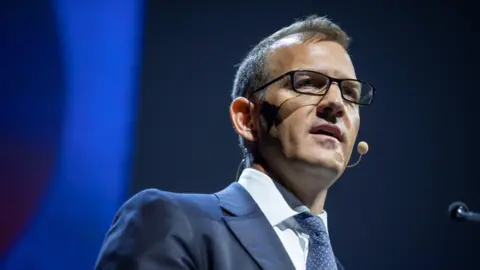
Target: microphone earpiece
[362, 149]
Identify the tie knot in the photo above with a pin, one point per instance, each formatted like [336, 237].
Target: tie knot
[312, 224]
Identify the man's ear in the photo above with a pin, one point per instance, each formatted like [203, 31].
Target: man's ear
[242, 116]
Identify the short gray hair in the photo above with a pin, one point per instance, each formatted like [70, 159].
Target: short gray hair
[252, 72]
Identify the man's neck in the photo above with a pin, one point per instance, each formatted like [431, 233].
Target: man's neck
[311, 195]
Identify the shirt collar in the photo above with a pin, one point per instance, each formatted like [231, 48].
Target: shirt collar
[274, 200]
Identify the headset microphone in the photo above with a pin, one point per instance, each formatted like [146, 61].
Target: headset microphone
[362, 149]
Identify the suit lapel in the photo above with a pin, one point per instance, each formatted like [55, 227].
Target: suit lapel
[252, 229]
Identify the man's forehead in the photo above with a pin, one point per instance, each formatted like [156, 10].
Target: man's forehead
[294, 52]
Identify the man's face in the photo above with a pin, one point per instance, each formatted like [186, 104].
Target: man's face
[298, 139]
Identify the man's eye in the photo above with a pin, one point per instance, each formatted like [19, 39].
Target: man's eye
[303, 83]
[350, 91]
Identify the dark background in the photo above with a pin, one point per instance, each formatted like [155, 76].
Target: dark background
[390, 211]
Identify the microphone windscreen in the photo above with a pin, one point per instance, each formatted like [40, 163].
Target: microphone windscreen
[453, 208]
[362, 148]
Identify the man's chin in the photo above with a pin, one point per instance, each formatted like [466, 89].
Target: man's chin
[332, 161]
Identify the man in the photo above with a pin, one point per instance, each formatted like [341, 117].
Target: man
[295, 107]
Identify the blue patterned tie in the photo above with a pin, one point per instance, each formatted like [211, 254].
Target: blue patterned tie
[320, 252]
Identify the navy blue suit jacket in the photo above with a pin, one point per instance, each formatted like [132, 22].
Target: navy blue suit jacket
[163, 230]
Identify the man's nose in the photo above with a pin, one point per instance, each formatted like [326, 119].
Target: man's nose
[331, 106]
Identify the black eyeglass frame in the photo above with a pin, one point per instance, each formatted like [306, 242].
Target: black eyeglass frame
[330, 80]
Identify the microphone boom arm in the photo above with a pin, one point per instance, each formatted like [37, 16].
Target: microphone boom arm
[468, 215]
[459, 211]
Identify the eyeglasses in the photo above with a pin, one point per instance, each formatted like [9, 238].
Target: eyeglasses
[317, 84]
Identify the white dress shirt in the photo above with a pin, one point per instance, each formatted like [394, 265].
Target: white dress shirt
[279, 207]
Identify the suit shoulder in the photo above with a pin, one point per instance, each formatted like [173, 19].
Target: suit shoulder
[197, 205]
[150, 223]
[146, 203]
[150, 195]
[164, 201]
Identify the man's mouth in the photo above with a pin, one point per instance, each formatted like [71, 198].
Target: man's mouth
[328, 130]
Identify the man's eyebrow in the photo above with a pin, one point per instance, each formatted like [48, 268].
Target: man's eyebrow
[335, 73]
